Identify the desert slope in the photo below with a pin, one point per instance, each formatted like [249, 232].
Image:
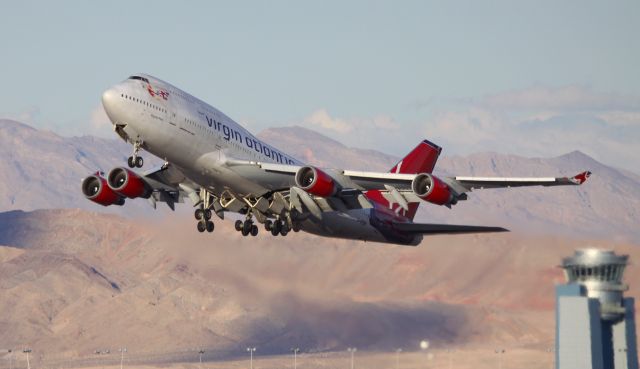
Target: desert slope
[42, 170]
[73, 281]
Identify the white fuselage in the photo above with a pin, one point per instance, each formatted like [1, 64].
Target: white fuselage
[194, 136]
[204, 143]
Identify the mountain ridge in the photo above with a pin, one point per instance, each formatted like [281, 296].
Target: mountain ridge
[606, 206]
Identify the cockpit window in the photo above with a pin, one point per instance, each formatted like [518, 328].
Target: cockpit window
[139, 78]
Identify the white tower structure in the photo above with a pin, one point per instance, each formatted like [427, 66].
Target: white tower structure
[595, 323]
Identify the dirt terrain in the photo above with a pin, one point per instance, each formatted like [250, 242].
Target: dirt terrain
[73, 282]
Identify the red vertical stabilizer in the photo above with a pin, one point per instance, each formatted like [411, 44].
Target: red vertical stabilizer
[422, 159]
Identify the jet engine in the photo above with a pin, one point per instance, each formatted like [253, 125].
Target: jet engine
[430, 188]
[316, 182]
[127, 183]
[96, 189]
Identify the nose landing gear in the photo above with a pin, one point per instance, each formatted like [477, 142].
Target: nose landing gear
[135, 160]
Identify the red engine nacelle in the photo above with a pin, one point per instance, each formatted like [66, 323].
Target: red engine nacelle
[96, 189]
[316, 182]
[432, 189]
[127, 183]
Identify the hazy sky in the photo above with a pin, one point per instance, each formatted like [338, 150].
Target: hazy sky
[524, 77]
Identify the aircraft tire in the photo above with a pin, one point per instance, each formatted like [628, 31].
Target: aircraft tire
[210, 226]
[238, 225]
[246, 226]
[268, 224]
[245, 232]
[139, 162]
[201, 226]
[198, 214]
[130, 162]
[277, 226]
[285, 227]
[274, 231]
[254, 230]
[207, 214]
[284, 232]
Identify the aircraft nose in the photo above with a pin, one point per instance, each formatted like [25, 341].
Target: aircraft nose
[109, 98]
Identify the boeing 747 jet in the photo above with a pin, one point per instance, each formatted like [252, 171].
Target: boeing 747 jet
[221, 167]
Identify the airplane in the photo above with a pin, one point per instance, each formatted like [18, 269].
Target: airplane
[221, 167]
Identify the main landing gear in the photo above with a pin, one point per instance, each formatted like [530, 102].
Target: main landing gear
[203, 216]
[135, 160]
[247, 227]
[277, 227]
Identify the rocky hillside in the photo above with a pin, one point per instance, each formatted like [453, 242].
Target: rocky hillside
[72, 281]
[42, 170]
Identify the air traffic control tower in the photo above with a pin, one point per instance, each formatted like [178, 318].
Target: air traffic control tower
[595, 323]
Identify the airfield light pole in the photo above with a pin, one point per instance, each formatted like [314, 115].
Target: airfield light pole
[552, 351]
[27, 351]
[251, 350]
[424, 345]
[122, 351]
[201, 351]
[352, 350]
[398, 351]
[295, 357]
[450, 352]
[500, 352]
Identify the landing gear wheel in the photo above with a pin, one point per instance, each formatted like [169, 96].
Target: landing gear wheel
[207, 214]
[296, 227]
[201, 226]
[276, 228]
[210, 226]
[254, 230]
[238, 225]
[284, 229]
[198, 214]
[139, 162]
[268, 224]
[246, 226]
[245, 232]
[130, 162]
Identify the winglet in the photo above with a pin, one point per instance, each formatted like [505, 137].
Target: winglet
[580, 178]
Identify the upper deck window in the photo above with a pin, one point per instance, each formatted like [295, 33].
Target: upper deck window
[139, 78]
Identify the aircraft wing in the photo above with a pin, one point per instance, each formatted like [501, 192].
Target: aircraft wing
[444, 228]
[366, 181]
[380, 181]
[471, 183]
[395, 188]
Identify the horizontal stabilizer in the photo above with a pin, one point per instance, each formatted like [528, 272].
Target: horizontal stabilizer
[444, 228]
